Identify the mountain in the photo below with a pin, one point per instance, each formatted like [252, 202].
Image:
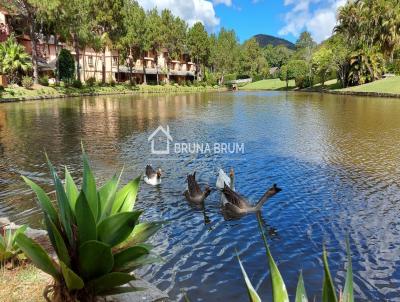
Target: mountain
[264, 40]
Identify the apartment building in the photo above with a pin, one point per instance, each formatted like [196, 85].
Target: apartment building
[90, 61]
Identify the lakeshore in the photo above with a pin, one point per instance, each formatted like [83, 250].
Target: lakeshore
[38, 92]
[385, 88]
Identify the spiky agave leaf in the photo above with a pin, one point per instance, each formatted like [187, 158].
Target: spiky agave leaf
[328, 288]
[38, 255]
[348, 291]
[279, 291]
[301, 295]
[253, 296]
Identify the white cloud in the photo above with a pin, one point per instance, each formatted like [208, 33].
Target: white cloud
[190, 10]
[225, 2]
[318, 21]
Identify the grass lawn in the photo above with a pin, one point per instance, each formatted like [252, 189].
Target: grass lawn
[38, 90]
[24, 283]
[331, 84]
[389, 85]
[270, 84]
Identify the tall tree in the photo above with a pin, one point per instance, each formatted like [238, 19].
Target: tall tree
[305, 46]
[277, 56]
[226, 53]
[73, 25]
[252, 61]
[132, 41]
[154, 38]
[199, 45]
[174, 31]
[107, 23]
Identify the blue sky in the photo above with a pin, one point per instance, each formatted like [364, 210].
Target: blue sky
[282, 18]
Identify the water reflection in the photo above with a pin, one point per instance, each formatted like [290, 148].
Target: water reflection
[335, 157]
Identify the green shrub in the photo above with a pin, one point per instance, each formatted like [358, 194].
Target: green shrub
[66, 65]
[90, 82]
[211, 79]
[257, 77]
[44, 81]
[230, 77]
[297, 70]
[27, 82]
[9, 249]
[77, 84]
[95, 233]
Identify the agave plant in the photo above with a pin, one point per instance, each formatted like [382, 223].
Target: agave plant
[279, 291]
[95, 234]
[9, 249]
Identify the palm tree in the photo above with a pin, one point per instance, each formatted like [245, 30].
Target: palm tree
[13, 60]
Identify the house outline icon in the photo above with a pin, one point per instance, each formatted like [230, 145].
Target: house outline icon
[160, 131]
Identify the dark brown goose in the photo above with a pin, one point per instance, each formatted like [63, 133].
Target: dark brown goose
[236, 204]
[194, 194]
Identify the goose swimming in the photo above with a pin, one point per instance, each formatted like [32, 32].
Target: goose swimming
[194, 194]
[235, 204]
[152, 176]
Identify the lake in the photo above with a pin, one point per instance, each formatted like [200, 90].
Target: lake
[335, 157]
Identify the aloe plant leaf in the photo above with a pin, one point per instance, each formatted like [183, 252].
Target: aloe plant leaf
[124, 257]
[328, 288]
[110, 281]
[38, 255]
[20, 230]
[44, 200]
[58, 242]
[2, 243]
[63, 203]
[72, 280]
[126, 197]
[348, 291]
[95, 259]
[87, 229]
[107, 195]
[143, 231]
[253, 296]
[89, 186]
[301, 295]
[71, 189]
[279, 291]
[141, 261]
[116, 228]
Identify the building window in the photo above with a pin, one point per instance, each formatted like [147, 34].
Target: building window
[115, 61]
[90, 61]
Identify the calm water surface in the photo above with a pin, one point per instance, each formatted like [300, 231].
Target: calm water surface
[336, 158]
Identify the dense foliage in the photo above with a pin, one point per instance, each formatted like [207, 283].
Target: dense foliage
[364, 45]
[66, 65]
[14, 61]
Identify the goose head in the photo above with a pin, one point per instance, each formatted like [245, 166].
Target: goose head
[274, 189]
